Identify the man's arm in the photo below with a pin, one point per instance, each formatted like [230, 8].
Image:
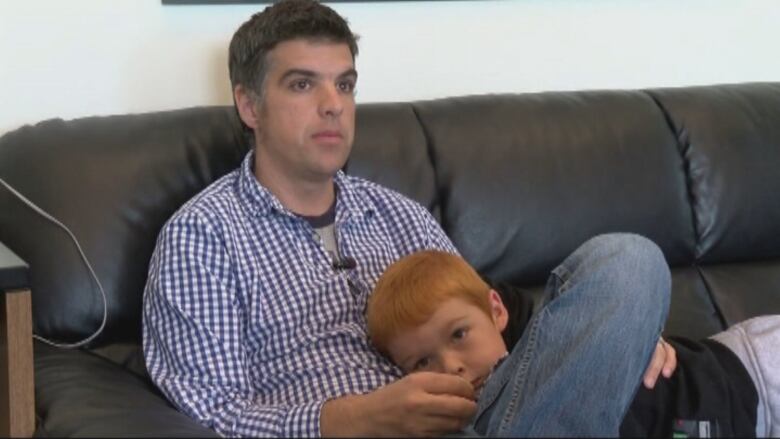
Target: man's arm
[420, 404]
[193, 324]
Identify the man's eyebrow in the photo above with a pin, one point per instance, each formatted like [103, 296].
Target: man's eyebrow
[298, 72]
[312, 74]
[350, 72]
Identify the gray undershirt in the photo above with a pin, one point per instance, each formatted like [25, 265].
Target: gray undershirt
[324, 225]
[328, 239]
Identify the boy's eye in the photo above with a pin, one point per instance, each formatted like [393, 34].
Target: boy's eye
[459, 334]
[422, 364]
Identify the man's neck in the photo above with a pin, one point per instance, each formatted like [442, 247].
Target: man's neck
[304, 197]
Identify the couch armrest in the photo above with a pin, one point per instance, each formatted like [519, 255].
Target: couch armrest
[17, 394]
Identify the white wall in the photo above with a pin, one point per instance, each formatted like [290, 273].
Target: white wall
[72, 58]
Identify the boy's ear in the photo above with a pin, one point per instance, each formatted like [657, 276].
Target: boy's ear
[498, 310]
[245, 103]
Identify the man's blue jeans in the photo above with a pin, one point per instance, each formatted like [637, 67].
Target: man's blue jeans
[582, 356]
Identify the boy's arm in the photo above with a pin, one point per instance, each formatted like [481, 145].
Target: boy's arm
[712, 387]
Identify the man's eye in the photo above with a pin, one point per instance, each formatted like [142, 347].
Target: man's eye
[301, 85]
[422, 364]
[346, 86]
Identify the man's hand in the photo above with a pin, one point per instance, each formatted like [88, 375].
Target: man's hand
[664, 362]
[420, 404]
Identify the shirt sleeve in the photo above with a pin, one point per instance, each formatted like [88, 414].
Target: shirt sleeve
[193, 329]
[436, 238]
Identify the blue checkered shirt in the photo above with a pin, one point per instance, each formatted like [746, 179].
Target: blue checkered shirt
[247, 327]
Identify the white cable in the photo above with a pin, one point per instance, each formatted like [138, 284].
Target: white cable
[46, 215]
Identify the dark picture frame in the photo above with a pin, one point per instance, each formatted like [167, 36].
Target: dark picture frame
[247, 2]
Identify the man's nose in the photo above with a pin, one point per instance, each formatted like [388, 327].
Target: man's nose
[331, 102]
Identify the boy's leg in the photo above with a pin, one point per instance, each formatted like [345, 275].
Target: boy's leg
[757, 344]
[581, 358]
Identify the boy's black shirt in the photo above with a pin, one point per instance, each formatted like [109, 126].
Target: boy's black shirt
[709, 386]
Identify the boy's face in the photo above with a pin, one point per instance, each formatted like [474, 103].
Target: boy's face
[458, 339]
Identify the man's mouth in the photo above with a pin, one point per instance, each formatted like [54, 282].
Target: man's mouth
[328, 135]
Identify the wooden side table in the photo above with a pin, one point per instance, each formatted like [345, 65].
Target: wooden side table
[17, 390]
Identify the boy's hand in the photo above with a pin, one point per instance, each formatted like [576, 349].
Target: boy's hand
[664, 362]
[420, 404]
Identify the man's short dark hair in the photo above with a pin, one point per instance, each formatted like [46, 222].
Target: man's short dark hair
[283, 21]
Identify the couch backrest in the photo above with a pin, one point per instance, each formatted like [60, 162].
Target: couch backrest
[113, 181]
[518, 182]
[729, 138]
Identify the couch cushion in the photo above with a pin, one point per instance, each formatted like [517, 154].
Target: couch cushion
[390, 149]
[730, 137]
[83, 395]
[744, 290]
[691, 311]
[113, 181]
[525, 179]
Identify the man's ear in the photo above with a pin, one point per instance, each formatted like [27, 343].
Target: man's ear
[245, 103]
[498, 310]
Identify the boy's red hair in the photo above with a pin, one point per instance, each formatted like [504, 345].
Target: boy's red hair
[411, 289]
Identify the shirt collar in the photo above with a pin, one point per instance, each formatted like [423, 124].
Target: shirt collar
[351, 204]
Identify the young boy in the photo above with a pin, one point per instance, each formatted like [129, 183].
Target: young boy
[431, 311]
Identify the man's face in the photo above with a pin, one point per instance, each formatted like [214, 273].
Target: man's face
[458, 339]
[305, 120]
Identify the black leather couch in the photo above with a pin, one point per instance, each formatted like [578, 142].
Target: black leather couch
[517, 181]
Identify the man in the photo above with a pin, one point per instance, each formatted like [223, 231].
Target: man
[254, 307]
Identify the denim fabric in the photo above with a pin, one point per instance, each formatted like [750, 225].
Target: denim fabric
[581, 358]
